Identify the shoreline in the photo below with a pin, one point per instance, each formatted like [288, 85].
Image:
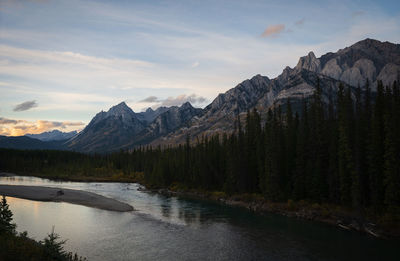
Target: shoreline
[73, 179]
[327, 214]
[78, 197]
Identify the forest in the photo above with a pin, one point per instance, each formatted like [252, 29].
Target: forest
[345, 153]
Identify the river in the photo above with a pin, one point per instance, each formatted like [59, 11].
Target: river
[171, 228]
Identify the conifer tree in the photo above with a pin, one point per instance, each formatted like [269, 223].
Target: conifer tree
[376, 151]
[6, 217]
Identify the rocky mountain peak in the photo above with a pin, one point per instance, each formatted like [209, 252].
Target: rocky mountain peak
[309, 62]
[370, 44]
[367, 59]
[120, 109]
[186, 105]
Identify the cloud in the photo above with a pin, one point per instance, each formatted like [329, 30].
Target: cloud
[150, 99]
[174, 101]
[25, 106]
[180, 99]
[11, 127]
[8, 121]
[300, 22]
[273, 30]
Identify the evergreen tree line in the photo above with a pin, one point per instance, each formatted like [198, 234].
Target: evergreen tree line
[345, 152]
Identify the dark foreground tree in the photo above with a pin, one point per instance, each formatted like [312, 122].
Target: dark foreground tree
[18, 247]
[6, 218]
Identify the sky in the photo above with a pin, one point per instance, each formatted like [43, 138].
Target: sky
[61, 62]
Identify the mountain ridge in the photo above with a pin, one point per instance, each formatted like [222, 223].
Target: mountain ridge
[53, 135]
[351, 66]
[121, 128]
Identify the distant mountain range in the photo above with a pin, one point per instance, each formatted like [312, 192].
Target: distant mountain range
[121, 128]
[53, 135]
[24, 142]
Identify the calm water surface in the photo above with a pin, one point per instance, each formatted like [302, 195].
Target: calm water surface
[170, 228]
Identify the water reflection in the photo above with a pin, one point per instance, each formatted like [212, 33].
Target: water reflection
[170, 228]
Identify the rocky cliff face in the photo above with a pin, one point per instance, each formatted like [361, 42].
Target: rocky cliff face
[367, 59]
[171, 120]
[149, 115]
[220, 115]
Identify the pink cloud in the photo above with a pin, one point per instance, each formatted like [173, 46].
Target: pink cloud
[273, 30]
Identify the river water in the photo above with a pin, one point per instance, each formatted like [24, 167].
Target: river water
[171, 228]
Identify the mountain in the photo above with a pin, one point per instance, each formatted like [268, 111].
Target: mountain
[351, 66]
[149, 115]
[52, 135]
[259, 92]
[27, 143]
[121, 128]
[173, 119]
[108, 131]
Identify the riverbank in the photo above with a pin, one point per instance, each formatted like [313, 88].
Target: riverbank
[324, 213]
[329, 214]
[72, 196]
[120, 178]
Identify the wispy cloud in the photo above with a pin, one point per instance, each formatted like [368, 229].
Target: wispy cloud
[25, 106]
[179, 100]
[72, 58]
[9, 121]
[150, 99]
[174, 101]
[112, 51]
[11, 127]
[273, 30]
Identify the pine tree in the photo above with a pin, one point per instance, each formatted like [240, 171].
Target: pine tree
[6, 218]
[54, 246]
[376, 151]
[316, 173]
[392, 150]
[332, 170]
[291, 142]
[272, 189]
[302, 153]
[344, 150]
